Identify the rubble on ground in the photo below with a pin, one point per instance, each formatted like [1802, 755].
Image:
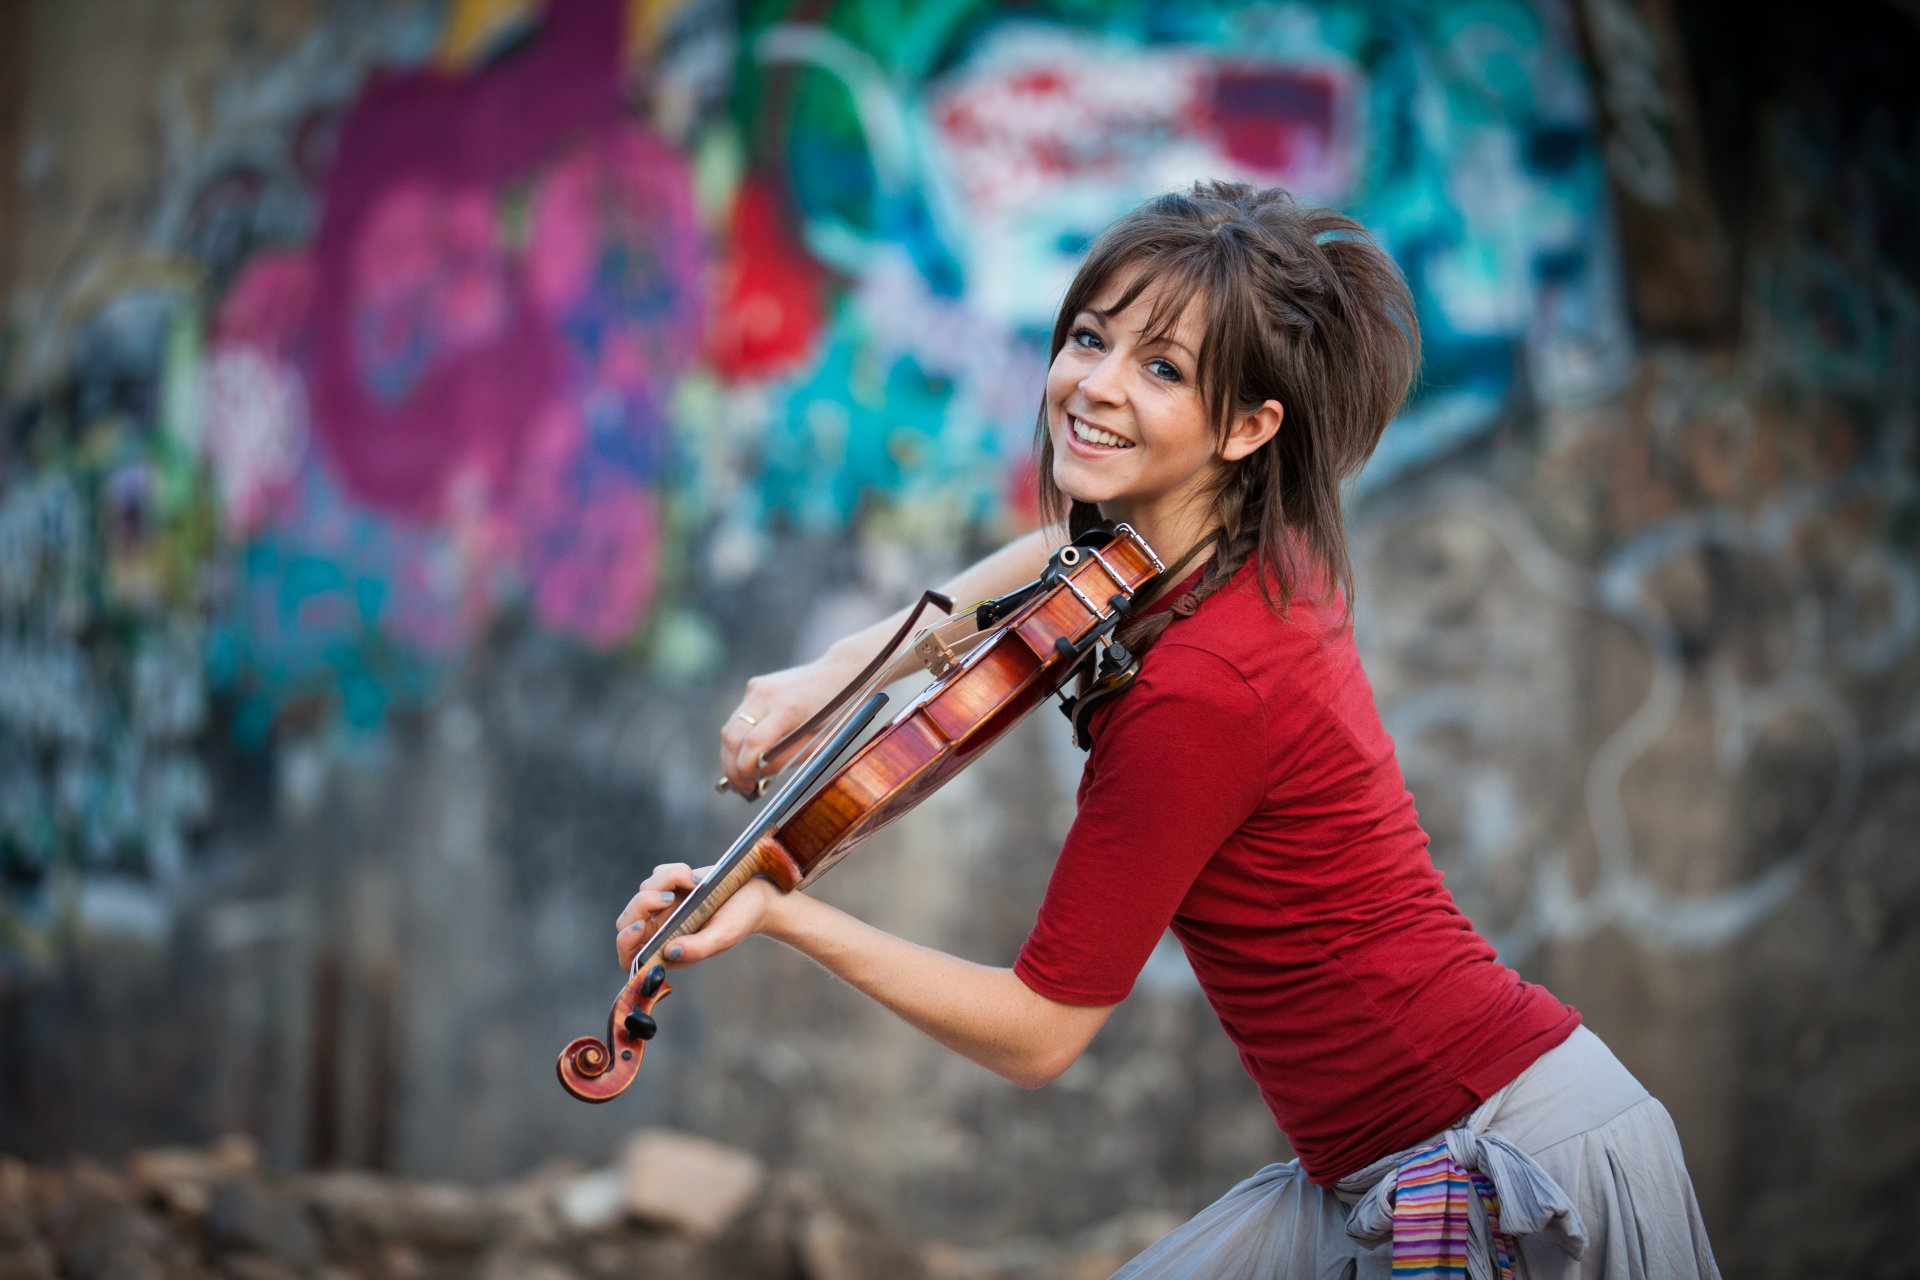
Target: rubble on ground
[671, 1204]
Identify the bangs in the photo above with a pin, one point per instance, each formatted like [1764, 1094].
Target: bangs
[1178, 277]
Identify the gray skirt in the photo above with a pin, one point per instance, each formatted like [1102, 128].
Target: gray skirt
[1601, 1184]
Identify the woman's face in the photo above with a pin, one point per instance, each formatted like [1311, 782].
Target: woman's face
[1128, 422]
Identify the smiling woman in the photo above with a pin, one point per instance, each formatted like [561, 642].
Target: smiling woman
[1223, 361]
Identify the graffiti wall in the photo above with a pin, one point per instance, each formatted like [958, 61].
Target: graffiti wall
[436, 326]
[420, 417]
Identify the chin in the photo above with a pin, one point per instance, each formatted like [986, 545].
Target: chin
[1069, 489]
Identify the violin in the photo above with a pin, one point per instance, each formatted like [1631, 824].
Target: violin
[991, 665]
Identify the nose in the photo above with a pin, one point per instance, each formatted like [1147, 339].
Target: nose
[1103, 384]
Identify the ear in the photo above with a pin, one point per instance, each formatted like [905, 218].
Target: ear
[1251, 430]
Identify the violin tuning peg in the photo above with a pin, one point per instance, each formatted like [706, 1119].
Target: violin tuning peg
[640, 1026]
[656, 978]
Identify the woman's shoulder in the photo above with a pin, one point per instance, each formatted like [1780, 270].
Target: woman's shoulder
[1256, 612]
[1282, 650]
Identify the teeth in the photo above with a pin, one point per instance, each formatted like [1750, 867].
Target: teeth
[1094, 435]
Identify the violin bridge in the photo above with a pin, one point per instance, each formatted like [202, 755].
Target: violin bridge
[936, 653]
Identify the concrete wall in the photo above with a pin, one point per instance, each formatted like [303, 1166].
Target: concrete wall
[413, 441]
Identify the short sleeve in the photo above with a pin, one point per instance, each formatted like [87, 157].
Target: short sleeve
[1179, 762]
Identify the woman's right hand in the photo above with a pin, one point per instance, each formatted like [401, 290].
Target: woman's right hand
[774, 705]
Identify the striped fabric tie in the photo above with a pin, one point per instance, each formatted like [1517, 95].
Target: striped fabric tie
[1456, 1206]
[1435, 1198]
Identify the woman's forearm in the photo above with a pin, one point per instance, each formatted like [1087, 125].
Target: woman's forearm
[986, 1014]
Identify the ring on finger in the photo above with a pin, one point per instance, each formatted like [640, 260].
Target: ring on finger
[741, 715]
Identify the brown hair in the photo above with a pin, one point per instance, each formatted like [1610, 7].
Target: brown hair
[1303, 308]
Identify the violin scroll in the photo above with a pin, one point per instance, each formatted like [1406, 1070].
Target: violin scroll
[595, 1070]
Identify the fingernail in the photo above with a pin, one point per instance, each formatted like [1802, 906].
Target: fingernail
[666, 895]
[634, 927]
[675, 951]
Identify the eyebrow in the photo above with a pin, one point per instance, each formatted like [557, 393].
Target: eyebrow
[1165, 340]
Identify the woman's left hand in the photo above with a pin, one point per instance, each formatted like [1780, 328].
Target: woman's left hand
[744, 914]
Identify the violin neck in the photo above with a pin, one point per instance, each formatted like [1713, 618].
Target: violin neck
[758, 851]
[765, 857]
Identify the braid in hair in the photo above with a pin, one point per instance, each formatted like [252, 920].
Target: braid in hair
[1230, 550]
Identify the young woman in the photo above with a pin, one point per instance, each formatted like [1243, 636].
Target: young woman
[1222, 361]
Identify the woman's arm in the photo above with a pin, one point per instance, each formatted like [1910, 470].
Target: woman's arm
[984, 1013]
[777, 702]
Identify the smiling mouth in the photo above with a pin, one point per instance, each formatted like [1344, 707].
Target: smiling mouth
[1094, 435]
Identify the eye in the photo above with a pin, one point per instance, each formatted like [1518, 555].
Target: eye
[1086, 338]
[1165, 370]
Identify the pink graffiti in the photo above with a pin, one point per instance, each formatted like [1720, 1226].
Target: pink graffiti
[429, 358]
[269, 305]
[613, 258]
[431, 283]
[590, 536]
[488, 378]
[253, 402]
[254, 432]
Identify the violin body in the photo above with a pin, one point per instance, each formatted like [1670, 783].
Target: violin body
[971, 703]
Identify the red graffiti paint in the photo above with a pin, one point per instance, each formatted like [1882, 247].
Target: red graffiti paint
[770, 313]
[1276, 119]
[1034, 119]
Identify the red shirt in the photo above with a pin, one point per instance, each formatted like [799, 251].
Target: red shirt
[1244, 793]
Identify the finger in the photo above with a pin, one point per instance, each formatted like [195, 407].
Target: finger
[740, 760]
[738, 737]
[763, 717]
[666, 885]
[694, 947]
[628, 941]
[646, 904]
[731, 733]
[691, 949]
[638, 922]
[670, 875]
